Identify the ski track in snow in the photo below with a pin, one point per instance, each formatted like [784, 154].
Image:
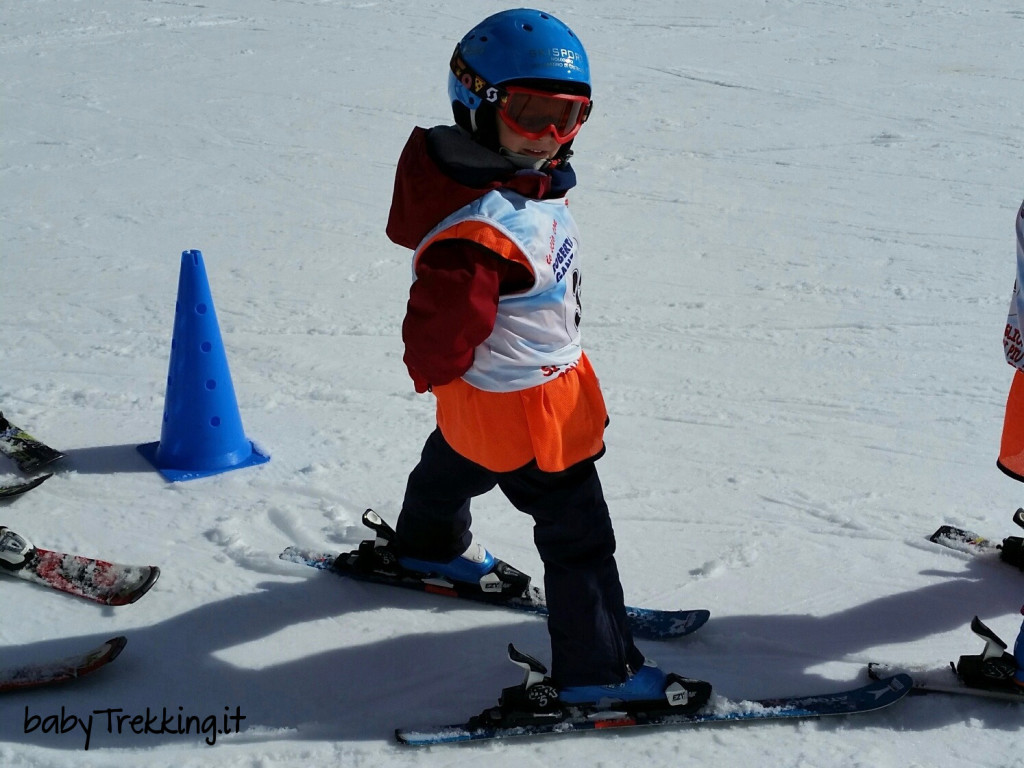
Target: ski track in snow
[797, 221]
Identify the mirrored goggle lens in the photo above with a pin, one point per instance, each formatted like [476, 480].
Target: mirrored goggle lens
[534, 114]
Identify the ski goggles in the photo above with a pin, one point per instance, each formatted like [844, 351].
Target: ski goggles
[533, 114]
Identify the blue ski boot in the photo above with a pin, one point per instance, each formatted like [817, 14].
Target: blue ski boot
[476, 566]
[471, 566]
[648, 688]
[537, 700]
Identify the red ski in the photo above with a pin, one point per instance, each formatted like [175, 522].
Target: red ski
[70, 668]
[97, 580]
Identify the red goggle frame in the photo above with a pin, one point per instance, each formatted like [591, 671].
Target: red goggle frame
[533, 114]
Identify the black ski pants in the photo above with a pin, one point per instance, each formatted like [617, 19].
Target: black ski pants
[591, 643]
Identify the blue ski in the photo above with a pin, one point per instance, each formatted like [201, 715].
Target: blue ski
[646, 623]
[876, 695]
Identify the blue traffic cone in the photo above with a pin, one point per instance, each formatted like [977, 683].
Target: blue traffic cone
[202, 431]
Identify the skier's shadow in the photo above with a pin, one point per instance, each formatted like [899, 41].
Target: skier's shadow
[250, 655]
[762, 655]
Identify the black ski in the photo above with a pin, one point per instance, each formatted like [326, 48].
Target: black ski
[27, 452]
[1009, 550]
[11, 490]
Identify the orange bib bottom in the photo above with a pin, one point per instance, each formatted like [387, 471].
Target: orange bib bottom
[558, 423]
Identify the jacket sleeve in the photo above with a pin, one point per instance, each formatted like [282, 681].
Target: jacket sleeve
[452, 308]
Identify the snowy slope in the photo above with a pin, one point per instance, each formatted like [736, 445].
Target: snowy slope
[798, 223]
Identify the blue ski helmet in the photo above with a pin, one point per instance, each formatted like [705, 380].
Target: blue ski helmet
[521, 46]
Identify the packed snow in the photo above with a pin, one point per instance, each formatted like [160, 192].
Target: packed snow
[798, 231]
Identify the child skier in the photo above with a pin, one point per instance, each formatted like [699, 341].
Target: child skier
[1011, 448]
[493, 330]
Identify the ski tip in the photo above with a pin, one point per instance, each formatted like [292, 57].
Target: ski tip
[51, 457]
[12, 491]
[154, 574]
[133, 595]
[653, 624]
[103, 655]
[302, 556]
[446, 735]
[116, 645]
[698, 619]
[900, 684]
[884, 672]
[883, 676]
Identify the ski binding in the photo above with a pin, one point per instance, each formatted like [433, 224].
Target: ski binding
[989, 674]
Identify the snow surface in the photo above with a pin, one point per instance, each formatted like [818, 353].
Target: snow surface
[798, 223]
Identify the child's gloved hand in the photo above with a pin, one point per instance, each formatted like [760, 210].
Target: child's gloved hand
[421, 384]
[1013, 551]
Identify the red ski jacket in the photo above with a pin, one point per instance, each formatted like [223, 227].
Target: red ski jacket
[454, 301]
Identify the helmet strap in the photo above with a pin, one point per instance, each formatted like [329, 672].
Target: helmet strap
[524, 162]
[472, 81]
